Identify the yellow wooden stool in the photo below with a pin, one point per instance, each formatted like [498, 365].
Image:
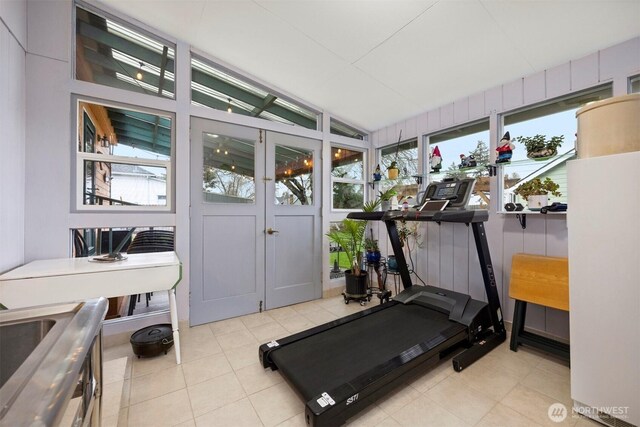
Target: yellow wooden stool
[539, 280]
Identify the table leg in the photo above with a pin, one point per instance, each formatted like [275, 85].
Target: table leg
[173, 308]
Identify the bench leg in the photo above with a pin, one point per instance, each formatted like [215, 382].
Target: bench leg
[517, 326]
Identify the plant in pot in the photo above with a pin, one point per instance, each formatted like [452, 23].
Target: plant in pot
[539, 148]
[392, 170]
[350, 237]
[536, 192]
[373, 250]
[385, 198]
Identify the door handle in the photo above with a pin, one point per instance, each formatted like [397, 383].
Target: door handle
[271, 231]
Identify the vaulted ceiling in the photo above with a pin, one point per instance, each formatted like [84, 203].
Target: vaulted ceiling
[375, 62]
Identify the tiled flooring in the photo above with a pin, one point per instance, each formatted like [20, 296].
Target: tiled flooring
[221, 383]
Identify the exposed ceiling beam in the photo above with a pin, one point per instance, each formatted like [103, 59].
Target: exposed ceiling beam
[266, 102]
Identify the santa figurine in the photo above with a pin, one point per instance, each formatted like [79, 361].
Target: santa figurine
[436, 160]
[505, 149]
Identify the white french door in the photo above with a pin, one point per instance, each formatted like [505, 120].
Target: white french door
[293, 246]
[255, 220]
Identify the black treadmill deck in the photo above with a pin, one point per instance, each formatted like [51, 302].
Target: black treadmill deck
[327, 360]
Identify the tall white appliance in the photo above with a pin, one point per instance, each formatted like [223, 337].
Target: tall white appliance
[603, 221]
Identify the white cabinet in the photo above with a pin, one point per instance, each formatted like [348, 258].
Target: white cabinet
[604, 284]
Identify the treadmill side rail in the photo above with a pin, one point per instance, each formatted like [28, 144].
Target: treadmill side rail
[477, 350]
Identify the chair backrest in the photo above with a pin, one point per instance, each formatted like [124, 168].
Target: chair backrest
[79, 245]
[152, 241]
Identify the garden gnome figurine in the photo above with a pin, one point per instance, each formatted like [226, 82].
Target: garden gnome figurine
[377, 174]
[436, 160]
[505, 149]
[467, 161]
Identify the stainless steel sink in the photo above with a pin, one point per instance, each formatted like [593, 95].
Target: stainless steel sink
[19, 341]
[47, 354]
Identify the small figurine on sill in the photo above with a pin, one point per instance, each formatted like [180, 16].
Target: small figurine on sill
[467, 161]
[377, 174]
[435, 160]
[505, 149]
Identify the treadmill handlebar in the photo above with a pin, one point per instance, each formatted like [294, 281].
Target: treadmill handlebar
[460, 216]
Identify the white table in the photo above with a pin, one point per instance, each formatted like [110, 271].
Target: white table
[52, 281]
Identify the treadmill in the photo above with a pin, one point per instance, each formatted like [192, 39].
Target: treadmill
[341, 367]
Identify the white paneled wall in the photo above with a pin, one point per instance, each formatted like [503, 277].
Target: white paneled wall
[448, 257]
[12, 133]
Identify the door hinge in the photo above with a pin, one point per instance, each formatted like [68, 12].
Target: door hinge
[266, 178]
[260, 306]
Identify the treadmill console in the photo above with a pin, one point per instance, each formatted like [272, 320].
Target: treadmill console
[456, 191]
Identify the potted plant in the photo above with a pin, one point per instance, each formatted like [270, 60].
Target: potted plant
[373, 250]
[350, 236]
[539, 148]
[385, 198]
[392, 170]
[536, 192]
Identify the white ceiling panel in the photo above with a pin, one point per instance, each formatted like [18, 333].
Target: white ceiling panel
[180, 19]
[363, 98]
[256, 41]
[433, 61]
[550, 33]
[348, 28]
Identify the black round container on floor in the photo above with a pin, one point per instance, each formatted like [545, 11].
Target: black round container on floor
[152, 340]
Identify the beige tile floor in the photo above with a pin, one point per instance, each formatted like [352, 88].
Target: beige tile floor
[221, 383]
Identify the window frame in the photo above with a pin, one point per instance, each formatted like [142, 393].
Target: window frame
[102, 12]
[251, 87]
[386, 184]
[474, 126]
[362, 181]
[79, 158]
[631, 81]
[500, 202]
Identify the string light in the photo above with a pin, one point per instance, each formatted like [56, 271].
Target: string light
[229, 110]
[139, 73]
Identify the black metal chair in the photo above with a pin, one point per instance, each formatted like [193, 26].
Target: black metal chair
[148, 241]
[80, 248]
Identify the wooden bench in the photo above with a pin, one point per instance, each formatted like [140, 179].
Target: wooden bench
[539, 280]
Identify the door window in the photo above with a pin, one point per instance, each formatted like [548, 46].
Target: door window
[294, 176]
[228, 172]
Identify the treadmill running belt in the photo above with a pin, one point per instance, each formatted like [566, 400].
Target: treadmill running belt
[319, 363]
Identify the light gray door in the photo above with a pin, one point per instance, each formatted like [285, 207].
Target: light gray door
[227, 221]
[293, 237]
[255, 220]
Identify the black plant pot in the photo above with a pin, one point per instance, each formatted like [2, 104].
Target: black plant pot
[356, 285]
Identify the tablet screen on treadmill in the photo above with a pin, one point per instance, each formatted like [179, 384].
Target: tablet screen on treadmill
[434, 205]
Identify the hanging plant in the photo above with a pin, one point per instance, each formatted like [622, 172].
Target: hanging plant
[392, 170]
[539, 148]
